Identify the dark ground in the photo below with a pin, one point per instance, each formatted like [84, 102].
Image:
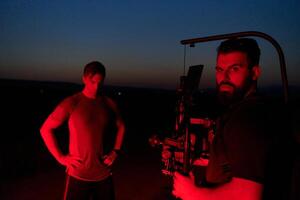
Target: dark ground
[28, 171]
[136, 177]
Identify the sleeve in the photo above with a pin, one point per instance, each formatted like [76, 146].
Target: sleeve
[112, 104]
[249, 143]
[63, 110]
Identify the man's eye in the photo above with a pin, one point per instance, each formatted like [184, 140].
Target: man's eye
[218, 69]
[235, 68]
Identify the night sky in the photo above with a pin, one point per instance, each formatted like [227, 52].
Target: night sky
[138, 41]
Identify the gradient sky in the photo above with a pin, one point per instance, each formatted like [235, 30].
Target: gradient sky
[138, 41]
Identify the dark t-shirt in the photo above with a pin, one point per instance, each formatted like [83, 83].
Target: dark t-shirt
[89, 120]
[246, 136]
[248, 142]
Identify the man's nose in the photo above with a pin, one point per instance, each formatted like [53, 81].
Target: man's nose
[227, 75]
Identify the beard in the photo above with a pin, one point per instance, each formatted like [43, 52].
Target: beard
[228, 98]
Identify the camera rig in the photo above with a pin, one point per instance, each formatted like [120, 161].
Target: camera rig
[182, 140]
[181, 145]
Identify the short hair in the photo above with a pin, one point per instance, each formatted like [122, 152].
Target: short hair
[93, 68]
[245, 45]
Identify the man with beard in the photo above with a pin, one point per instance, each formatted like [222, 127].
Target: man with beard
[246, 141]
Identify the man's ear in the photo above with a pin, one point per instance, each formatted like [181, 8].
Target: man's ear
[83, 79]
[256, 71]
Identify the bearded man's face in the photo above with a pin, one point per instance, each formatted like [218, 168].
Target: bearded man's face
[233, 76]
